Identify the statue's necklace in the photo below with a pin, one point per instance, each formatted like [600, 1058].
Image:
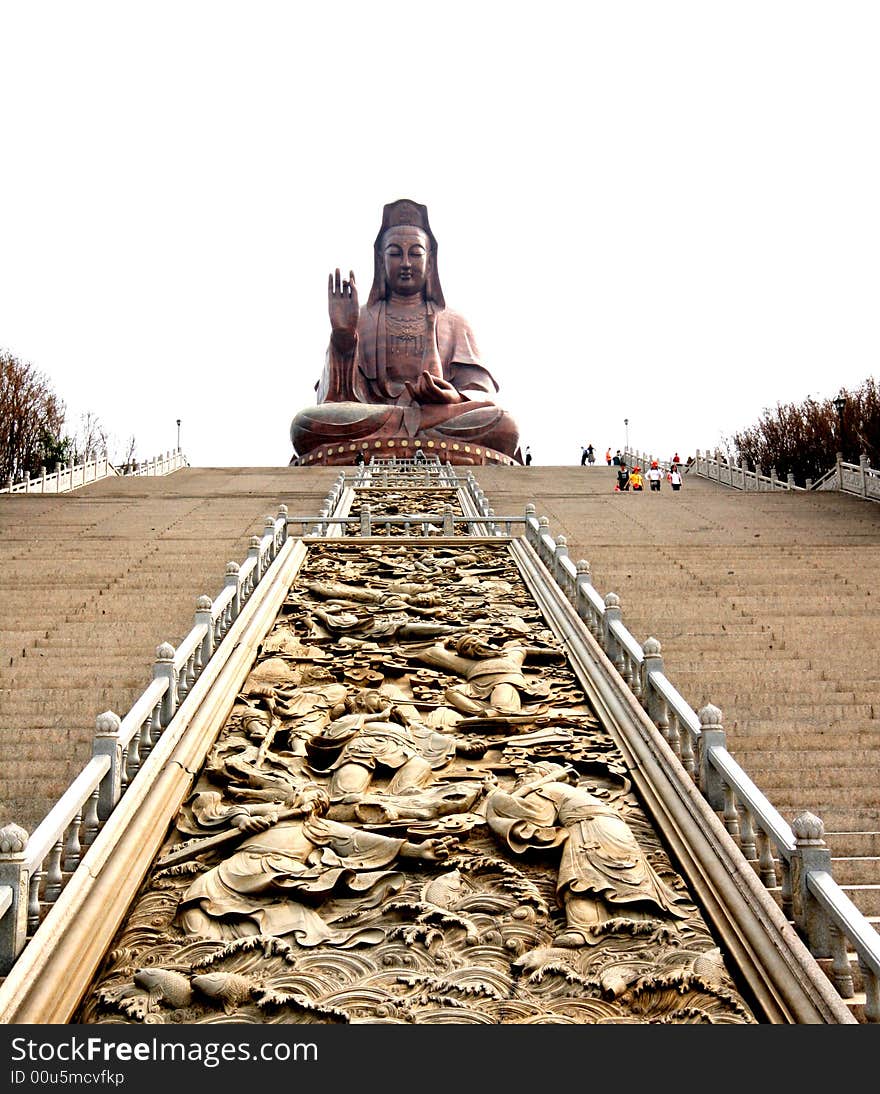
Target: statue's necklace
[407, 324]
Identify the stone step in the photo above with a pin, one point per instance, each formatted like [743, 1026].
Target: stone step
[809, 712]
[827, 802]
[862, 844]
[749, 741]
[812, 760]
[865, 897]
[856, 871]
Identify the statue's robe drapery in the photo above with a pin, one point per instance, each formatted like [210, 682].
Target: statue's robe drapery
[359, 398]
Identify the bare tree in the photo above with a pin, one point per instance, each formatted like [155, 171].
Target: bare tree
[31, 418]
[804, 438]
[129, 456]
[90, 439]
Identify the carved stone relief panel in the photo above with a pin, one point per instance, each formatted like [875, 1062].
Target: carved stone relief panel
[412, 815]
[401, 501]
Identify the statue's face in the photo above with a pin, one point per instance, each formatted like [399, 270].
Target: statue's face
[406, 253]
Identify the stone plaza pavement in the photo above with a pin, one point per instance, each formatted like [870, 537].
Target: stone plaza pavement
[764, 605]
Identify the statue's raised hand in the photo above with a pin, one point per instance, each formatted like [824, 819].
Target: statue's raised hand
[342, 301]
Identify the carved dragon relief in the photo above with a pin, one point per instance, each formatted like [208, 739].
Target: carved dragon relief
[412, 816]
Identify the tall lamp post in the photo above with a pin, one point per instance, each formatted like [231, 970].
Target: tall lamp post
[626, 428]
[840, 406]
[178, 434]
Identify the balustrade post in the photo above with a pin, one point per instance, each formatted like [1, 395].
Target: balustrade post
[231, 578]
[282, 516]
[773, 477]
[712, 735]
[204, 604]
[582, 606]
[809, 484]
[366, 529]
[654, 703]
[560, 552]
[254, 553]
[106, 743]
[811, 853]
[448, 521]
[839, 463]
[863, 473]
[612, 612]
[530, 512]
[164, 668]
[791, 480]
[14, 876]
[43, 480]
[543, 530]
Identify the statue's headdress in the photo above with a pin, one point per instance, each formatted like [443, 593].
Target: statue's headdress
[410, 214]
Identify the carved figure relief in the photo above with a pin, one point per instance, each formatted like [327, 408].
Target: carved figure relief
[412, 815]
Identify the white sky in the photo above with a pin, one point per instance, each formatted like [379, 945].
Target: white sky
[661, 211]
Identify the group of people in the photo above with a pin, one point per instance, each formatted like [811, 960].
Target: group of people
[635, 479]
[631, 479]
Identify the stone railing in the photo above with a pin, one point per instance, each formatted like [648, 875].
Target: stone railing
[728, 472]
[792, 859]
[72, 478]
[35, 869]
[851, 478]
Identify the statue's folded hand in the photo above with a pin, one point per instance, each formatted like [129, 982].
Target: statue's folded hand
[433, 389]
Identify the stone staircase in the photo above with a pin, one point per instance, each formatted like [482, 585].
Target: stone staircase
[763, 604]
[90, 583]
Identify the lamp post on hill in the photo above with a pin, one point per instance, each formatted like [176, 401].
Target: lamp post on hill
[626, 434]
[840, 406]
[178, 434]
